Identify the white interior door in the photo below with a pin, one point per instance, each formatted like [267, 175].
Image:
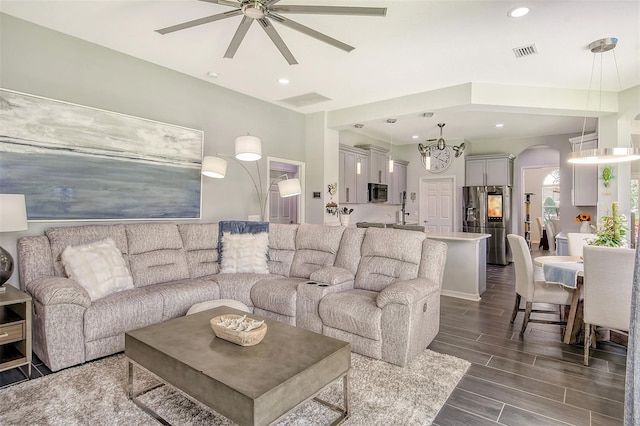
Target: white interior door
[282, 210]
[437, 204]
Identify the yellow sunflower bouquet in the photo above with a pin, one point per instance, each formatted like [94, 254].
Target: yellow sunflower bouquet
[583, 217]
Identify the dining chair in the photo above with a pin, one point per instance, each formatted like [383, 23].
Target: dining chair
[551, 235]
[576, 241]
[608, 281]
[532, 290]
[544, 241]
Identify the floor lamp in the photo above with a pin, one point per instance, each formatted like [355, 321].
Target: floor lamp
[248, 148]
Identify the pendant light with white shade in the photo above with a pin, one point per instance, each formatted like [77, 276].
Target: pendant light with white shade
[391, 121]
[602, 155]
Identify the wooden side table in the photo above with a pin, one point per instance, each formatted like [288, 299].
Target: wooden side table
[15, 329]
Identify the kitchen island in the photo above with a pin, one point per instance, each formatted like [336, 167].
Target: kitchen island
[465, 274]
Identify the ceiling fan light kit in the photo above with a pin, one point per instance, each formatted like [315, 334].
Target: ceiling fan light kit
[265, 11]
[602, 155]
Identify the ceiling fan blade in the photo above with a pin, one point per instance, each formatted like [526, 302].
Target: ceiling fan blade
[238, 37]
[200, 21]
[223, 2]
[310, 32]
[331, 10]
[270, 2]
[277, 40]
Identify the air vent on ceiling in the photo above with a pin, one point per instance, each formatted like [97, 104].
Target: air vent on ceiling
[527, 50]
[305, 100]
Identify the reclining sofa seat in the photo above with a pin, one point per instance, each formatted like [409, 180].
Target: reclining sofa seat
[393, 311]
[315, 247]
[169, 275]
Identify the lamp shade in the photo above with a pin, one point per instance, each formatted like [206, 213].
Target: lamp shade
[289, 187]
[214, 167]
[13, 213]
[248, 148]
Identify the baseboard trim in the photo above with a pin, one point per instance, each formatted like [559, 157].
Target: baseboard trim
[460, 295]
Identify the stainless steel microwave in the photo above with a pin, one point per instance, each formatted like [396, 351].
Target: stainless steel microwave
[377, 193]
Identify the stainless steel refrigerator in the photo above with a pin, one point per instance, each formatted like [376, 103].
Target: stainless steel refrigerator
[487, 210]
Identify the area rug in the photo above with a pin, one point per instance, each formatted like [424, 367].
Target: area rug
[95, 393]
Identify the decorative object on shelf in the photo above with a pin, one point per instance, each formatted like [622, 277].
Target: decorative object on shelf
[13, 217]
[345, 217]
[266, 12]
[602, 155]
[249, 148]
[239, 329]
[611, 230]
[607, 175]
[584, 219]
[332, 207]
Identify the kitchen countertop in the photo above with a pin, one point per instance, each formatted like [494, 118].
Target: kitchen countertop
[458, 236]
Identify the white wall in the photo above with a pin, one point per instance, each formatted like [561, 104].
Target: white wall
[46, 63]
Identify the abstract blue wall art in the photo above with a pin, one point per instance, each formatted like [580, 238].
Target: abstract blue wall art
[79, 163]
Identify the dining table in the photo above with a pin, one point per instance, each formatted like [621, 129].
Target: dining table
[569, 272]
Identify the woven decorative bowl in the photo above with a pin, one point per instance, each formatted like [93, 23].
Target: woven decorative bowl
[242, 338]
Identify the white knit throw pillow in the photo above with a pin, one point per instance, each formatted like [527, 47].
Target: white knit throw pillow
[98, 267]
[245, 253]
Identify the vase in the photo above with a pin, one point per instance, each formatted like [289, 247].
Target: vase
[585, 227]
[344, 220]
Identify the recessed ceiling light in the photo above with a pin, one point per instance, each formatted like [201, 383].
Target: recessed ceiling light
[212, 74]
[415, 137]
[499, 125]
[283, 81]
[518, 12]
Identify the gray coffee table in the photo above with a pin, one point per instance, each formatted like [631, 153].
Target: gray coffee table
[255, 385]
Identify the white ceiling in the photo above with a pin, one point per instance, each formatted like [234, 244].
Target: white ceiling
[419, 46]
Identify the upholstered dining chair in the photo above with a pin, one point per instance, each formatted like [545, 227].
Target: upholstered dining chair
[551, 235]
[576, 241]
[532, 290]
[608, 282]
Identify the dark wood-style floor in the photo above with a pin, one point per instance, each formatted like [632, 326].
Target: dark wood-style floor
[530, 379]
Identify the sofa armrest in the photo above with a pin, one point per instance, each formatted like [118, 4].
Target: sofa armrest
[332, 275]
[58, 291]
[407, 292]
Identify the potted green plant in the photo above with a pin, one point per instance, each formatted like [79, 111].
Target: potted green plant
[611, 231]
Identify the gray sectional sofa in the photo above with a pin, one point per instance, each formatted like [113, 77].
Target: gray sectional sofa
[379, 289]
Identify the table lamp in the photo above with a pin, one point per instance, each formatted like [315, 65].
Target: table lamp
[13, 217]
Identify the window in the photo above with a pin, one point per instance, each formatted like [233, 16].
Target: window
[551, 195]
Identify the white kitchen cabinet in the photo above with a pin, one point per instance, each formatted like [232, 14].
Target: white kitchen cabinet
[585, 176]
[489, 170]
[397, 182]
[353, 175]
[378, 163]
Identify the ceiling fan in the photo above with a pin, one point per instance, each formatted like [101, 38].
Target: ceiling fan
[265, 11]
[441, 144]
